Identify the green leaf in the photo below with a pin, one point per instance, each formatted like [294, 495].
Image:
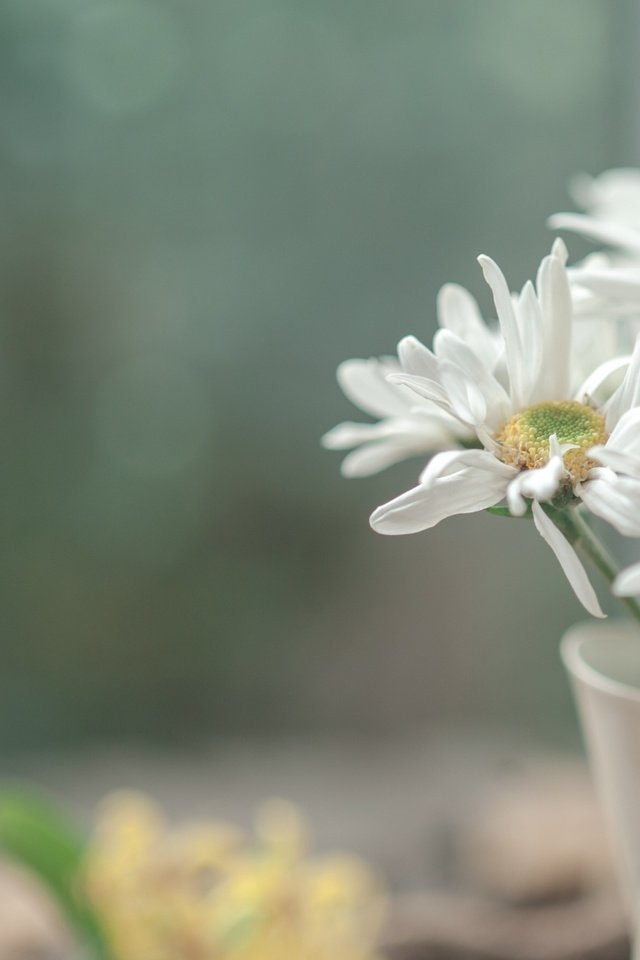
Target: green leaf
[38, 836]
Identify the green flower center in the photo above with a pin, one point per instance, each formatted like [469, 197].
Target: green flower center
[524, 438]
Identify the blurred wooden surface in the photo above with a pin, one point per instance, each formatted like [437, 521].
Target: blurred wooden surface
[424, 926]
[452, 927]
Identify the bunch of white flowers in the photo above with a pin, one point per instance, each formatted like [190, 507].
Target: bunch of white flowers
[540, 410]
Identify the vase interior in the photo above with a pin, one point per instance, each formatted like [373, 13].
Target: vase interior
[618, 658]
[606, 655]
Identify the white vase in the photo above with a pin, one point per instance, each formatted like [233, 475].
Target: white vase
[603, 661]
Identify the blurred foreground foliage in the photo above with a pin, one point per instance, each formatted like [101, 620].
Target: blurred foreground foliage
[37, 835]
[139, 888]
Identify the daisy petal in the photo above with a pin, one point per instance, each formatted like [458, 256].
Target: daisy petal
[611, 283]
[617, 460]
[464, 393]
[364, 382]
[458, 312]
[516, 361]
[417, 359]
[450, 462]
[611, 234]
[423, 430]
[454, 482]
[627, 583]
[622, 450]
[425, 388]
[451, 350]
[540, 484]
[569, 561]
[348, 434]
[557, 449]
[557, 311]
[627, 395]
[374, 457]
[615, 499]
[388, 441]
[610, 193]
[600, 376]
[559, 251]
[530, 323]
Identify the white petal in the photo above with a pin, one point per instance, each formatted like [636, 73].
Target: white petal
[617, 461]
[515, 501]
[599, 376]
[449, 346]
[464, 394]
[516, 361]
[592, 261]
[374, 457]
[582, 189]
[616, 500]
[601, 473]
[388, 441]
[623, 444]
[349, 434]
[627, 583]
[611, 283]
[423, 410]
[450, 462]
[480, 381]
[425, 388]
[611, 234]
[530, 322]
[422, 429]
[463, 482]
[417, 359]
[559, 250]
[539, 484]
[569, 561]
[458, 312]
[587, 304]
[557, 312]
[614, 194]
[628, 393]
[364, 382]
[559, 449]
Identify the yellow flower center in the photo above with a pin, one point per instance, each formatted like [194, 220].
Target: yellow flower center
[524, 438]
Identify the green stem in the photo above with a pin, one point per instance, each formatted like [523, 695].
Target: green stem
[578, 532]
[505, 512]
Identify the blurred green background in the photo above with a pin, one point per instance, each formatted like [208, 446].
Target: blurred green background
[206, 205]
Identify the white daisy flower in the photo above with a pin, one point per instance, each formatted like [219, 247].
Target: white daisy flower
[410, 425]
[542, 440]
[612, 196]
[611, 281]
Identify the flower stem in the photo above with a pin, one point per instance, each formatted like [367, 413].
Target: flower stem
[579, 533]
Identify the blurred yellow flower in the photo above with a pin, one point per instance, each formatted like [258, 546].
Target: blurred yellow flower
[205, 891]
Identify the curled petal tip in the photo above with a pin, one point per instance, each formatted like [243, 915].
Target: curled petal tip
[559, 250]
